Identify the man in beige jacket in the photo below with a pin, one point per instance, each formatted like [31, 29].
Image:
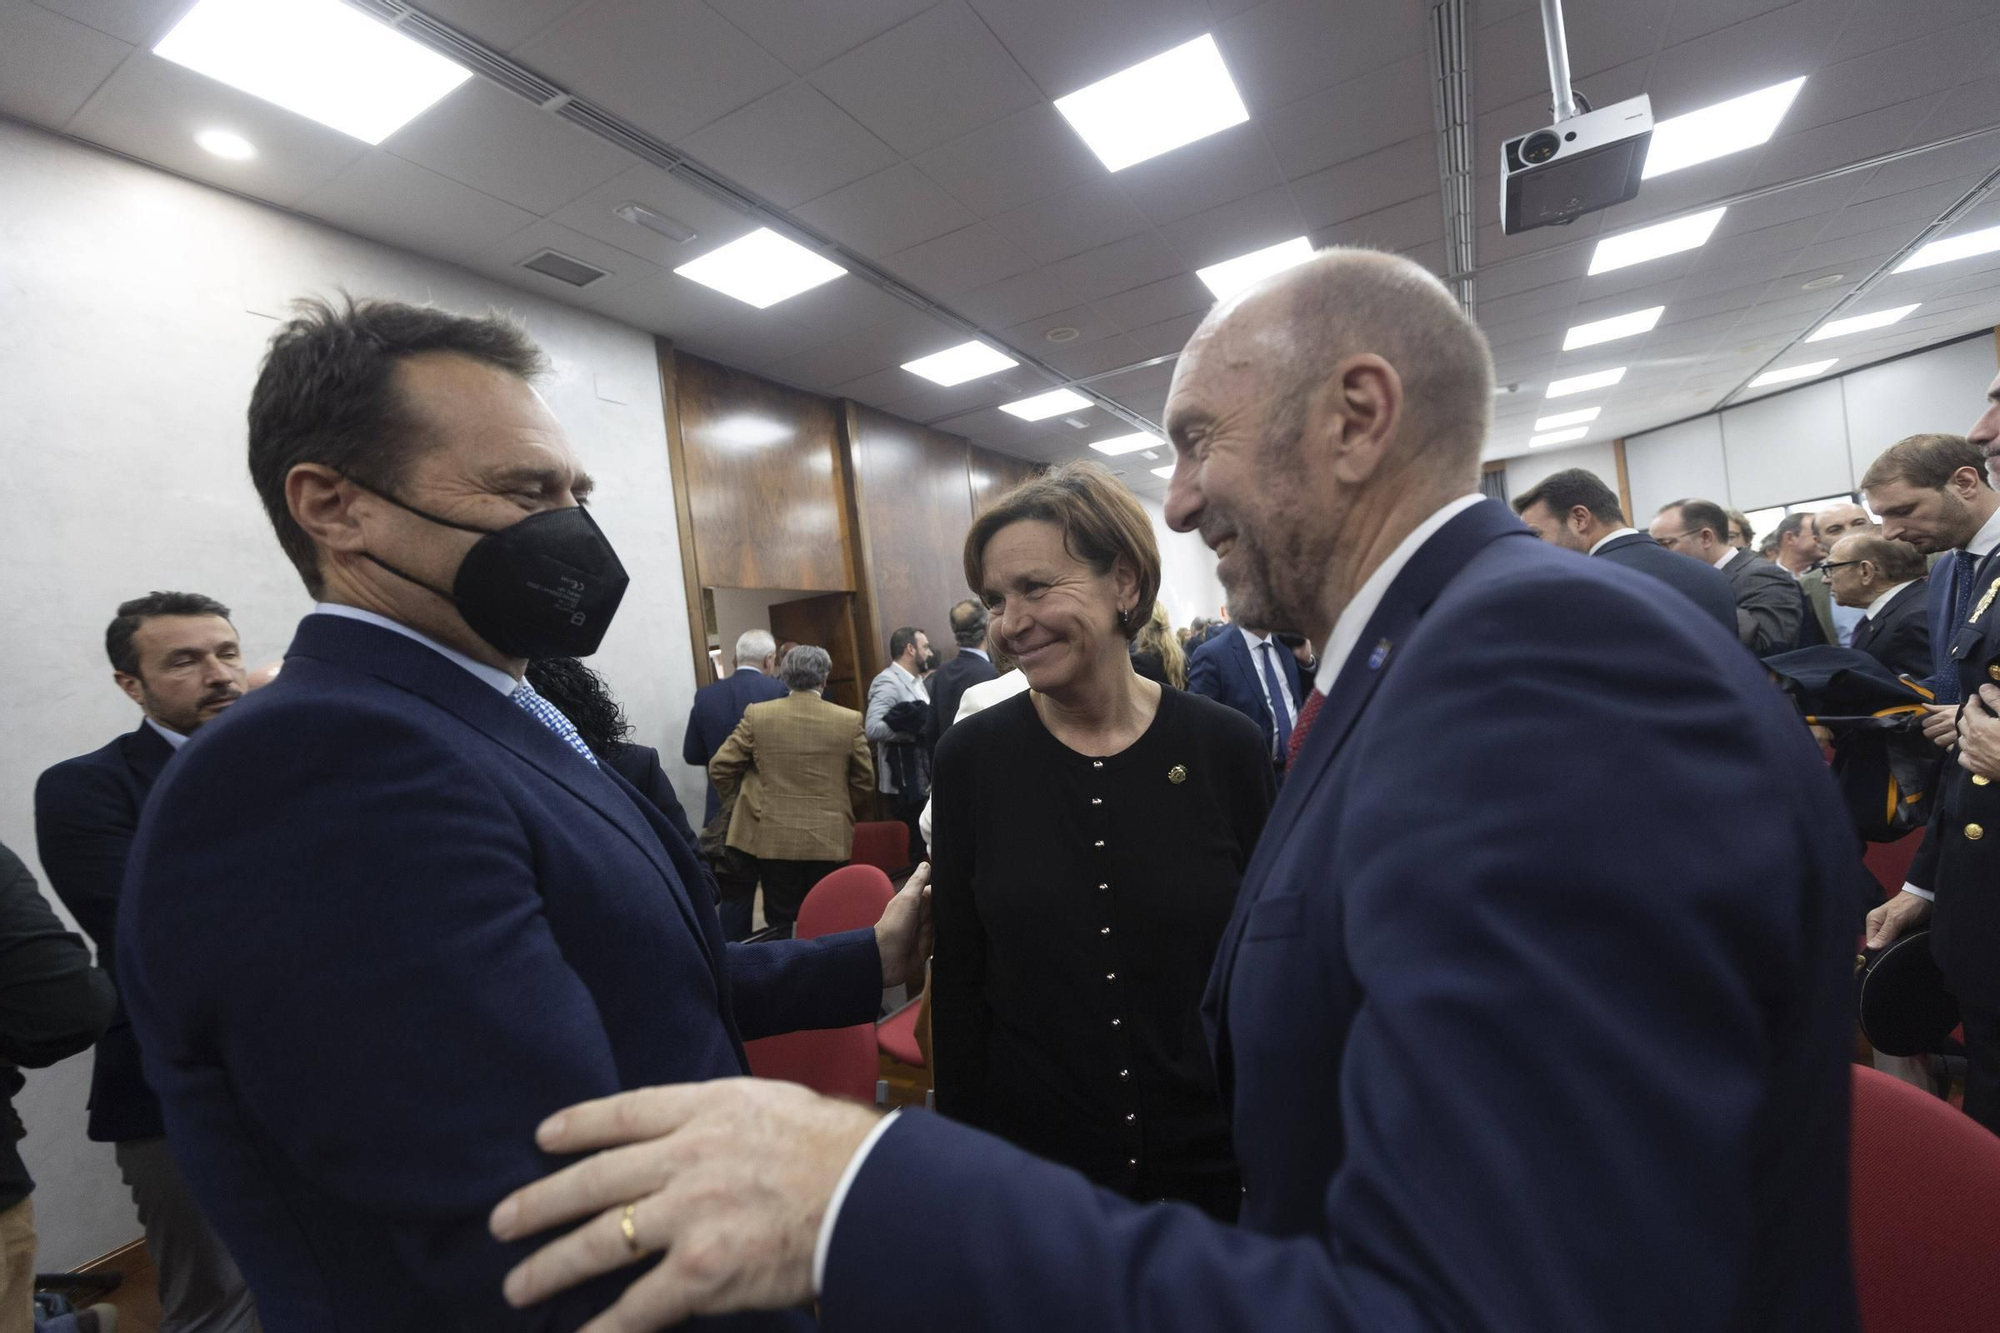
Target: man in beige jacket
[801, 764]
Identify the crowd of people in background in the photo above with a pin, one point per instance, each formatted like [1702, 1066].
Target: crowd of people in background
[444, 892]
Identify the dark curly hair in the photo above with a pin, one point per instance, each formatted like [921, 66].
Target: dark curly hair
[581, 695]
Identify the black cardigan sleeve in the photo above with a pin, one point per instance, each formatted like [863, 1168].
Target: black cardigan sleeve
[960, 1018]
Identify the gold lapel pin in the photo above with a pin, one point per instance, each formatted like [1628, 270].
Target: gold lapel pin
[1177, 775]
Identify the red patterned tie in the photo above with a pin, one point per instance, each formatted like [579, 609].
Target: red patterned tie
[1303, 725]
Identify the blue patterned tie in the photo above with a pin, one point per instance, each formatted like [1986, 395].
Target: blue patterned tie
[1965, 568]
[1275, 685]
[546, 713]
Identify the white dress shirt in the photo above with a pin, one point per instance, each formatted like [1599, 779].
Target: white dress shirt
[1258, 643]
[1360, 609]
[168, 734]
[492, 675]
[1612, 537]
[1729, 553]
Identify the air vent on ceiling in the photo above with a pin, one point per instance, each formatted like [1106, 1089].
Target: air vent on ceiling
[553, 264]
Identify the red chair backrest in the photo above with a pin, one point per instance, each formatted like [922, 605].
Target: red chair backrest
[884, 844]
[1890, 861]
[836, 1062]
[1926, 1211]
[848, 899]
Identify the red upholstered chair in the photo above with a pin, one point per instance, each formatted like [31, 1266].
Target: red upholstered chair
[839, 1062]
[897, 1035]
[1926, 1211]
[850, 898]
[884, 844]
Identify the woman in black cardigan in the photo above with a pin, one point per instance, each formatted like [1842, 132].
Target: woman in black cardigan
[1089, 838]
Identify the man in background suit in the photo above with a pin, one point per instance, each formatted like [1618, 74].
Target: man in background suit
[1833, 523]
[1883, 580]
[1255, 674]
[802, 765]
[428, 915]
[175, 655]
[719, 705]
[1398, 1001]
[1769, 607]
[1575, 510]
[971, 666]
[1931, 491]
[896, 719]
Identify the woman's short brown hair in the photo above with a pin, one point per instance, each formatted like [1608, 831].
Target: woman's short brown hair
[1100, 521]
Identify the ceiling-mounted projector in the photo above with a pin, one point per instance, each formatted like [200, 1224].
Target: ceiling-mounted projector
[1576, 166]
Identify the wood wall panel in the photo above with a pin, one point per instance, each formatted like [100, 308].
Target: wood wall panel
[913, 506]
[992, 475]
[762, 465]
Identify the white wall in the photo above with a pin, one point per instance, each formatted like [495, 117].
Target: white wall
[1529, 470]
[1813, 441]
[136, 307]
[1188, 586]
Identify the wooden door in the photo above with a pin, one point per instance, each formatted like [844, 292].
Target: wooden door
[826, 622]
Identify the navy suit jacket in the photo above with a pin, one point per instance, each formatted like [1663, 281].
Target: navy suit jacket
[1940, 598]
[1701, 583]
[948, 685]
[1224, 669]
[380, 922]
[1900, 636]
[1555, 1046]
[86, 813]
[718, 707]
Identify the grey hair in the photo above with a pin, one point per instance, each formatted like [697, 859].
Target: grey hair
[805, 668]
[753, 646]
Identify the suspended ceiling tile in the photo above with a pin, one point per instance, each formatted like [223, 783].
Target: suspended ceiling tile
[502, 145]
[1065, 46]
[960, 261]
[889, 211]
[384, 197]
[1016, 160]
[928, 81]
[790, 146]
[805, 34]
[1092, 214]
[50, 65]
[668, 66]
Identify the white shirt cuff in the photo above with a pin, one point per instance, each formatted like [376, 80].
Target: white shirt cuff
[827, 1223]
[1925, 894]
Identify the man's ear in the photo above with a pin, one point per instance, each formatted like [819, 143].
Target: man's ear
[1358, 413]
[135, 689]
[322, 503]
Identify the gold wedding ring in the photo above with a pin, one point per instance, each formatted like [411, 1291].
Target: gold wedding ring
[630, 1228]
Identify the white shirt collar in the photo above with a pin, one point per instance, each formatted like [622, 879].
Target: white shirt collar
[1255, 641]
[1354, 617]
[1988, 537]
[492, 675]
[752, 669]
[168, 734]
[1883, 600]
[899, 669]
[1729, 553]
[976, 652]
[1612, 537]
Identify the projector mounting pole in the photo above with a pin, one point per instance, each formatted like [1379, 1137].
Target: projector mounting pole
[1552, 34]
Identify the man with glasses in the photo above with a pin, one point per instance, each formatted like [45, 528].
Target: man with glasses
[1883, 582]
[1741, 534]
[1836, 620]
[1769, 609]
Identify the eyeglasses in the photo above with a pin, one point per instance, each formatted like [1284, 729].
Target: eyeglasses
[1680, 537]
[1828, 566]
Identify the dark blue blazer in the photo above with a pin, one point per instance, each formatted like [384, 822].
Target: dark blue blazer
[718, 707]
[380, 922]
[1941, 597]
[1224, 669]
[1508, 1044]
[86, 813]
[1698, 581]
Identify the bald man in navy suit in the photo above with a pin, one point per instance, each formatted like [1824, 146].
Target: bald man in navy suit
[1444, 911]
